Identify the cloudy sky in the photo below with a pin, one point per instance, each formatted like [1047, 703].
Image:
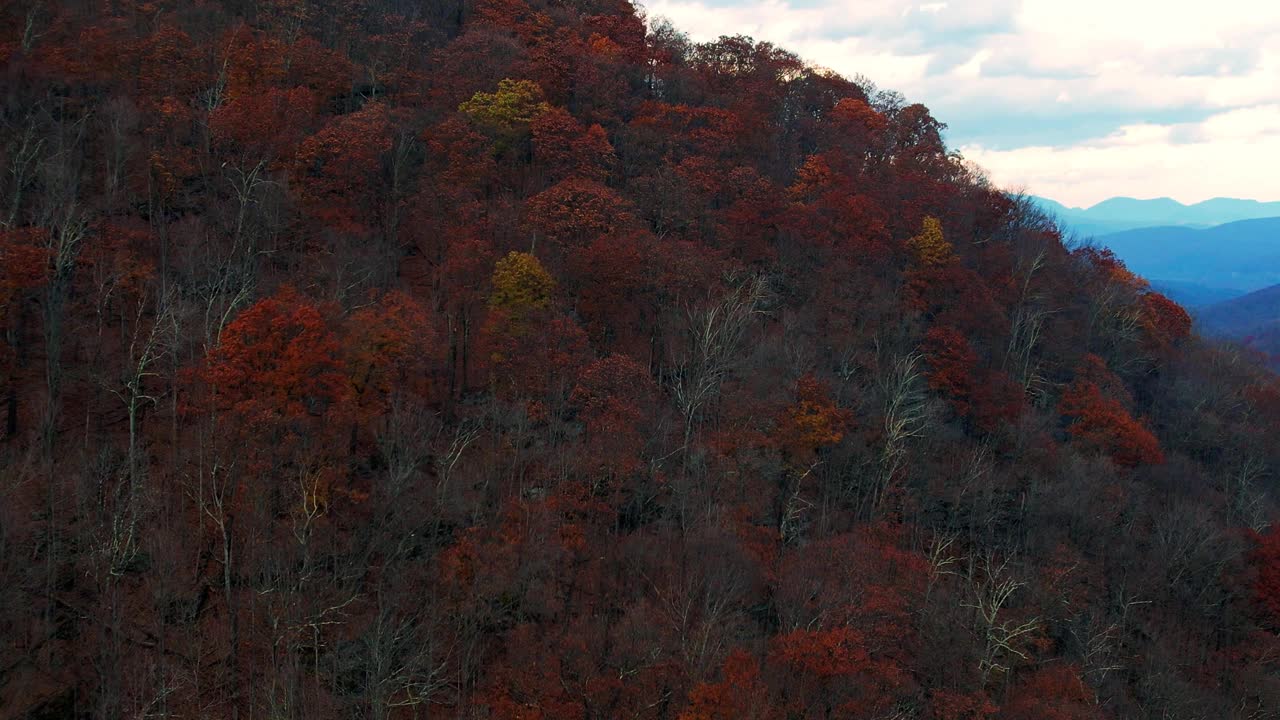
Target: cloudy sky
[1077, 100]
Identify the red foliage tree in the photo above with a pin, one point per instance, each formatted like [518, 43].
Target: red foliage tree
[1052, 693]
[1101, 421]
[339, 170]
[575, 212]
[996, 400]
[824, 653]
[389, 347]
[462, 169]
[832, 210]
[860, 588]
[252, 63]
[832, 673]
[24, 265]
[278, 366]
[1110, 267]
[856, 127]
[755, 215]
[1164, 321]
[954, 295]
[262, 126]
[567, 150]
[24, 260]
[614, 397]
[954, 705]
[1265, 560]
[322, 70]
[951, 366]
[740, 694]
[617, 299]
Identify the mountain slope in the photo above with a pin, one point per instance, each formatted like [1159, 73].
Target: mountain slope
[525, 360]
[1242, 255]
[1252, 319]
[1193, 295]
[1243, 315]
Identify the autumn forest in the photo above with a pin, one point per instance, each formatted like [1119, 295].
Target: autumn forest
[524, 359]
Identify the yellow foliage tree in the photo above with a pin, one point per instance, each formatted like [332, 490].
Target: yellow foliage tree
[508, 111]
[520, 285]
[930, 247]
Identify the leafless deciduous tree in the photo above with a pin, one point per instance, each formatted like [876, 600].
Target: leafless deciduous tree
[715, 334]
[990, 587]
[903, 417]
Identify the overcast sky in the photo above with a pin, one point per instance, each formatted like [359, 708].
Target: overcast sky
[1077, 100]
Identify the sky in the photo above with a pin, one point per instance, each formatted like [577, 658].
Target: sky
[1076, 100]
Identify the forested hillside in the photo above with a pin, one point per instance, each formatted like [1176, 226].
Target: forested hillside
[522, 359]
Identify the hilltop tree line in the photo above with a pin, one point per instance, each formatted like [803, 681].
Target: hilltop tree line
[525, 359]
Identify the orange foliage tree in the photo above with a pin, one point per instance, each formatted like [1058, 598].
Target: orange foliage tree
[812, 422]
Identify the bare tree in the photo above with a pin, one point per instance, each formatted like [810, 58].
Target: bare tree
[903, 413]
[1026, 326]
[24, 152]
[149, 344]
[990, 588]
[67, 230]
[715, 334]
[1245, 500]
[405, 667]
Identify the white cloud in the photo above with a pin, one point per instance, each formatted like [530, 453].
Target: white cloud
[1229, 154]
[1051, 62]
[973, 68]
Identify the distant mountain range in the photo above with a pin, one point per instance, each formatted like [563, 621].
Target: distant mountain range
[1193, 295]
[1123, 213]
[1252, 319]
[1198, 254]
